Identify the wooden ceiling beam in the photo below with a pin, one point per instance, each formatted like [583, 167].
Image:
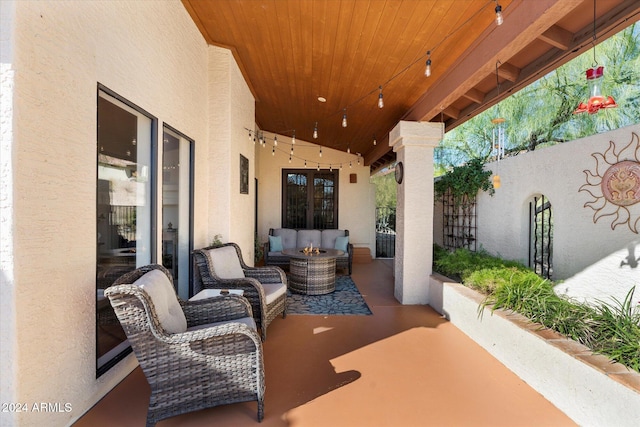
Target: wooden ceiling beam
[524, 21]
[509, 72]
[452, 112]
[558, 37]
[475, 95]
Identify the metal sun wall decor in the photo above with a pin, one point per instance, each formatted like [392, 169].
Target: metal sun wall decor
[615, 185]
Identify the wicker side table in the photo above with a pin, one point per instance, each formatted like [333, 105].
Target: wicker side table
[312, 274]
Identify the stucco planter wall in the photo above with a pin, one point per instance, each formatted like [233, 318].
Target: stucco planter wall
[587, 387]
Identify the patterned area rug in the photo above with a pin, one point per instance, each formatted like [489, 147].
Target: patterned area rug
[346, 299]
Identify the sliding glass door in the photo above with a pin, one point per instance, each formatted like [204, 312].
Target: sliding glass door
[177, 158]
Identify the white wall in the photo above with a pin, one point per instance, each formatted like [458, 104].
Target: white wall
[232, 110]
[356, 202]
[152, 54]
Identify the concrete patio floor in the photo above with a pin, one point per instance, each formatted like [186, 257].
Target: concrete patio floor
[403, 366]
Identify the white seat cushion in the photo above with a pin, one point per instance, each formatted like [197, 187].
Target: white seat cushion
[309, 237]
[288, 236]
[273, 290]
[226, 263]
[246, 320]
[329, 238]
[160, 290]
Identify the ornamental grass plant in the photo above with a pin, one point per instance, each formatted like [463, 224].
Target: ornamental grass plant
[611, 329]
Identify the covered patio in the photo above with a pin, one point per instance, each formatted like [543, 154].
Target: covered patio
[190, 161]
[401, 366]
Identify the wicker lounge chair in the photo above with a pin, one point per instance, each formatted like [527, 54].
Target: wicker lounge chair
[216, 360]
[222, 267]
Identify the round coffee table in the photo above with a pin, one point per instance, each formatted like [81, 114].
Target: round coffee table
[314, 273]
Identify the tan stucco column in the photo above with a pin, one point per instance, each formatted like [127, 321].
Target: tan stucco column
[413, 143]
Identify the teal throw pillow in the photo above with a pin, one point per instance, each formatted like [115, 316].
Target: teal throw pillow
[275, 243]
[341, 243]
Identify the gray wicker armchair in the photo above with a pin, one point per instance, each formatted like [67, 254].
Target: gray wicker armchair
[217, 360]
[222, 267]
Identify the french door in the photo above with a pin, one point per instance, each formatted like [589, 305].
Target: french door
[309, 199]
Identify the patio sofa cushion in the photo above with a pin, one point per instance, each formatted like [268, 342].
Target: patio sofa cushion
[309, 237]
[160, 290]
[275, 243]
[329, 239]
[289, 237]
[341, 243]
[227, 263]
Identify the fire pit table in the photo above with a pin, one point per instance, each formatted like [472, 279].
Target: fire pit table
[312, 273]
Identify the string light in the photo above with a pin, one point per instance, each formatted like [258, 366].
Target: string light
[264, 139]
[499, 18]
[427, 71]
[349, 148]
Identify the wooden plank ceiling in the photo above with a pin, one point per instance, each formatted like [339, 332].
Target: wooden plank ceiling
[293, 51]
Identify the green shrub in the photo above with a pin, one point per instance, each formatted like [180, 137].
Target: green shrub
[609, 329]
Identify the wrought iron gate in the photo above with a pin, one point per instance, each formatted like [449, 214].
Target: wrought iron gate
[385, 232]
[541, 236]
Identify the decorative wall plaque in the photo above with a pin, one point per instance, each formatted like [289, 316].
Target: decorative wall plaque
[615, 185]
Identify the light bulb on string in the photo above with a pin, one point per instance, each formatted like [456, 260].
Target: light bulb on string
[330, 168]
[499, 17]
[305, 163]
[291, 151]
[273, 151]
[318, 166]
[344, 119]
[374, 140]
[427, 70]
[275, 140]
[380, 100]
[320, 151]
[349, 149]
[250, 137]
[315, 131]
[350, 166]
[293, 139]
[289, 159]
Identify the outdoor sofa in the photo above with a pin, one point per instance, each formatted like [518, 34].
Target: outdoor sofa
[289, 238]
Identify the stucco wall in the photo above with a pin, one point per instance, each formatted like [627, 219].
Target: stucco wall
[593, 259]
[152, 54]
[232, 110]
[356, 209]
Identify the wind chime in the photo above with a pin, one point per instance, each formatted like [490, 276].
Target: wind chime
[497, 140]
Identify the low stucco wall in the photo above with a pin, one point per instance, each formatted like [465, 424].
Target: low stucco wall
[588, 388]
